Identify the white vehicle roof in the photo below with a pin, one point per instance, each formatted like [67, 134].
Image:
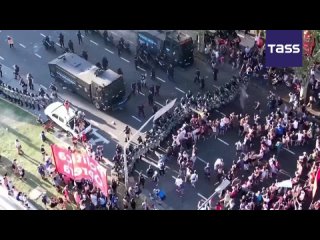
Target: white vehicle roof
[60, 110]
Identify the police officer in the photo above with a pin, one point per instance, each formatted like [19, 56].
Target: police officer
[133, 87]
[136, 62]
[141, 110]
[36, 102]
[32, 98]
[150, 99]
[61, 40]
[30, 81]
[105, 63]
[70, 45]
[153, 74]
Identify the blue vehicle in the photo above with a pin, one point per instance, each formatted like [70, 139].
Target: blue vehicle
[166, 48]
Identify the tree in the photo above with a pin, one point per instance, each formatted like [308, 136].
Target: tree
[308, 62]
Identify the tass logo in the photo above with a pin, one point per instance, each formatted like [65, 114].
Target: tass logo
[284, 48]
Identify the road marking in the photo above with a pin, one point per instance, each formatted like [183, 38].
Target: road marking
[142, 69]
[202, 160]
[159, 104]
[43, 87]
[288, 150]
[58, 44]
[42, 35]
[223, 141]
[82, 35]
[99, 136]
[125, 59]
[136, 171]
[220, 112]
[136, 118]
[180, 90]
[240, 35]
[94, 123]
[1, 58]
[112, 135]
[203, 197]
[22, 45]
[94, 43]
[142, 93]
[114, 33]
[215, 86]
[109, 50]
[284, 172]
[160, 79]
[37, 55]
[174, 177]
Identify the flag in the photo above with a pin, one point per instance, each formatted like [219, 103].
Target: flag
[315, 185]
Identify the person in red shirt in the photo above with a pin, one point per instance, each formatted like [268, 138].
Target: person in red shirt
[218, 206]
[66, 104]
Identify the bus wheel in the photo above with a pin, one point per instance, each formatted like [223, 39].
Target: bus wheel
[97, 105]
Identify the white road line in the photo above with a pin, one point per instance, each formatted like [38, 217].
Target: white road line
[136, 171]
[136, 118]
[180, 90]
[160, 79]
[159, 104]
[42, 35]
[288, 150]
[1, 58]
[223, 141]
[141, 93]
[142, 69]
[109, 50]
[58, 44]
[240, 35]
[200, 195]
[205, 162]
[114, 33]
[220, 112]
[215, 86]
[130, 41]
[37, 55]
[112, 135]
[125, 59]
[22, 45]
[174, 177]
[284, 172]
[82, 35]
[43, 87]
[94, 42]
[94, 123]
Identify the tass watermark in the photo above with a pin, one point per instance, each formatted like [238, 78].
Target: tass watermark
[284, 48]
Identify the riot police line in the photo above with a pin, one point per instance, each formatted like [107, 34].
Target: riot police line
[171, 121]
[27, 99]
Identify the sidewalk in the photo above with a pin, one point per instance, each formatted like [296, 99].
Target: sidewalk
[8, 202]
[8, 78]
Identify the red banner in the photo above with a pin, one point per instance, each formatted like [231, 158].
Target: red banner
[80, 166]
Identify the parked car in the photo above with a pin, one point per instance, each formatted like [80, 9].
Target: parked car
[66, 119]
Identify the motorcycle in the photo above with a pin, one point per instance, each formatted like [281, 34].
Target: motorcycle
[125, 45]
[48, 44]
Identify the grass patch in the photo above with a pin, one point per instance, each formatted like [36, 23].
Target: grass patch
[18, 124]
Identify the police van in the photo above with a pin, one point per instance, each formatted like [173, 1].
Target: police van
[103, 88]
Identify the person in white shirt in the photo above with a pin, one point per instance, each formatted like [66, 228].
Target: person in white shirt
[295, 124]
[300, 138]
[194, 178]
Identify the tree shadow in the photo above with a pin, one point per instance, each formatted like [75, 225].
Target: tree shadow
[20, 136]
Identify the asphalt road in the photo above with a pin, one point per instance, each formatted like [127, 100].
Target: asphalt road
[31, 56]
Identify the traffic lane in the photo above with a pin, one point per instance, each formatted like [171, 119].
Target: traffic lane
[28, 41]
[183, 81]
[167, 184]
[40, 71]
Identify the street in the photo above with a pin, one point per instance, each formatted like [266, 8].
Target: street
[31, 56]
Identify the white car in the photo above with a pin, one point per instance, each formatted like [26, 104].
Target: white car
[66, 120]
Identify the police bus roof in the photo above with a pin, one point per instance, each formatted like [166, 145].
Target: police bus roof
[84, 70]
